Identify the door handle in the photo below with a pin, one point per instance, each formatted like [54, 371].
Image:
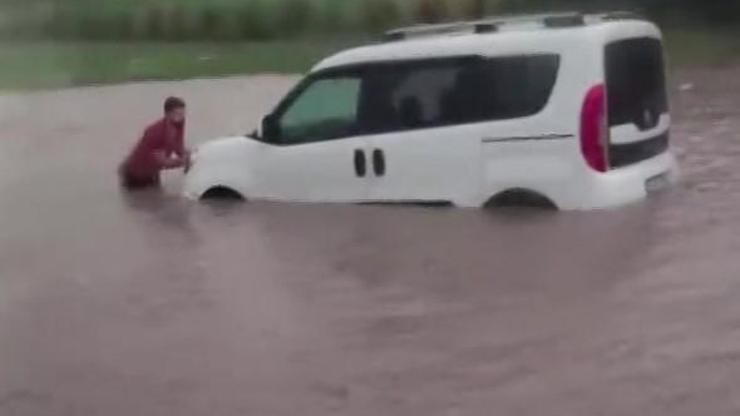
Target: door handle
[360, 163]
[379, 162]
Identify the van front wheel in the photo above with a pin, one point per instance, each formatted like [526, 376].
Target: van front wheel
[222, 193]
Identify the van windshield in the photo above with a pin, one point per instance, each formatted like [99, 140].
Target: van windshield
[326, 109]
[635, 78]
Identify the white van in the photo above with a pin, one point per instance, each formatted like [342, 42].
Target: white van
[567, 109]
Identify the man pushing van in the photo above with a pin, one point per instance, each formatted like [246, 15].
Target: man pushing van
[161, 147]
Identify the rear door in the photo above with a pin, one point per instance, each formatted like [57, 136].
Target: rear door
[639, 119]
[440, 114]
[418, 152]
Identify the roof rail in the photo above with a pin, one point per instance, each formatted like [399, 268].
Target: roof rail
[622, 15]
[494, 23]
[564, 21]
[486, 28]
[485, 25]
[424, 30]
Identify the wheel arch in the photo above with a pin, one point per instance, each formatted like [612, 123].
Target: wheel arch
[521, 197]
[222, 192]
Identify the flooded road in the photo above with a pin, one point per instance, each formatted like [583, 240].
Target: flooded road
[118, 305]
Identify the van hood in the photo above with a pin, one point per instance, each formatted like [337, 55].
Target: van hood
[222, 162]
[225, 149]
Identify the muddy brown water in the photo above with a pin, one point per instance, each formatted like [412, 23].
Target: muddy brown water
[118, 305]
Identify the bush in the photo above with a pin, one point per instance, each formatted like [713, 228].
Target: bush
[178, 27]
[255, 22]
[378, 15]
[474, 9]
[209, 22]
[295, 16]
[155, 23]
[334, 16]
[432, 11]
[61, 24]
[120, 26]
[718, 12]
[93, 26]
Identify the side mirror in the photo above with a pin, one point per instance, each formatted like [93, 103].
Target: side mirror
[270, 127]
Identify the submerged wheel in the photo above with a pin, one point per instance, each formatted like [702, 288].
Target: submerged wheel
[222, 193]
[521, 198]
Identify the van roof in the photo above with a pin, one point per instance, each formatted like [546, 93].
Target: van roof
[514, 34]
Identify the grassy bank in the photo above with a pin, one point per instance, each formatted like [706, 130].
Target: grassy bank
[702, 47]
[33, 65]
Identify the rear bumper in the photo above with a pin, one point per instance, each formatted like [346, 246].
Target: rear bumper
[624, 155]
[624, 185]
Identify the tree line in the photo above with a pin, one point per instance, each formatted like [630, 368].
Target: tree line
[273, 19]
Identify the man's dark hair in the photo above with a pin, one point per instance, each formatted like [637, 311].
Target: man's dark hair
[173, 103]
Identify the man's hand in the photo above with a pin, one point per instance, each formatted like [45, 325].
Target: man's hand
[171, 162]
[188, 161]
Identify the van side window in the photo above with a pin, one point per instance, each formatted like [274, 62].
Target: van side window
[324, 110]
[404, 96]
[518, 86]
[635, 79]
[445, 92]
[417, 98]
[380, 98]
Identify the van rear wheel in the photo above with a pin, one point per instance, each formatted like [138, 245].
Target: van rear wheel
[520, 198]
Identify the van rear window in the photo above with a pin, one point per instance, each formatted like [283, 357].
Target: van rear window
[635, 79]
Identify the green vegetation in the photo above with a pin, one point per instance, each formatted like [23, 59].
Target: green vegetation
[695, 47]
[53, 43]
[187, 20]
[30, 65]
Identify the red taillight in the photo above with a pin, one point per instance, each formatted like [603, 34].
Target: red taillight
[594, 129]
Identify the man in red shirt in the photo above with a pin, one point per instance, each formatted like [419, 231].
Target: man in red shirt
[161, 147]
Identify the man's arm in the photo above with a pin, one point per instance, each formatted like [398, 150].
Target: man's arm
[154, 142]
[183, 154]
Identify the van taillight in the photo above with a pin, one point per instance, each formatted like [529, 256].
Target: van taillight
[594, 129]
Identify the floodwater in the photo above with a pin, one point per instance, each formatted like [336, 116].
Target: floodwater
[148, 305]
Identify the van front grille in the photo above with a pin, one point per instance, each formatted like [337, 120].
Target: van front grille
[621, 155]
